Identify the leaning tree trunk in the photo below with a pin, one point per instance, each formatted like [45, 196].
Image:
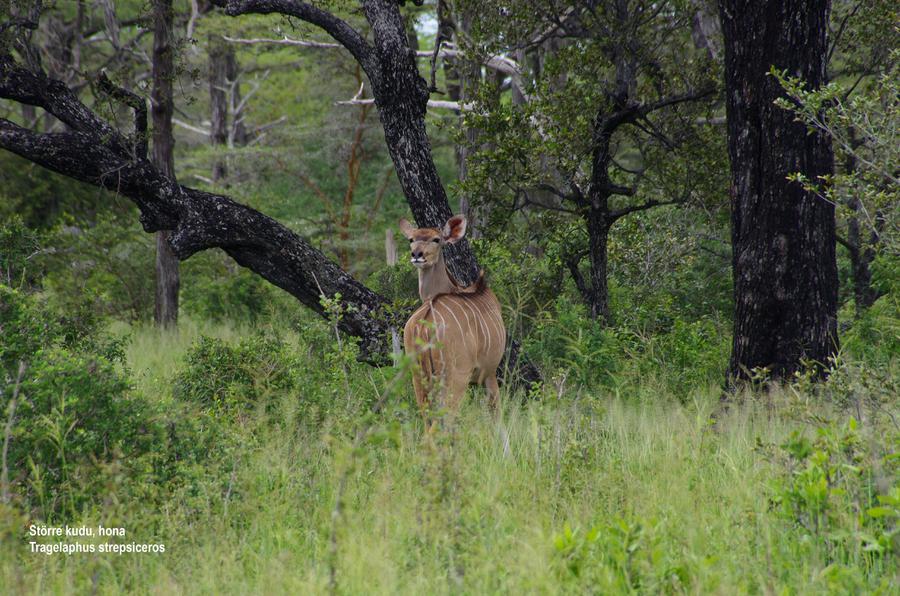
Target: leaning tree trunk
[401, 95]
[167, 275]
[783, 238]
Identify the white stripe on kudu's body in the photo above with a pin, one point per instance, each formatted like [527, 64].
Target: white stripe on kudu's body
[457, 336]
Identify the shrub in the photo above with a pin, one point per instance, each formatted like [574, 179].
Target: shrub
[565, 339]
[220, 290]
[620, 556]
[222, 375]
[18, 244]
[840, 492]
[70, 404]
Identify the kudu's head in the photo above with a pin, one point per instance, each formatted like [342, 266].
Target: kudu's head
[425, 244]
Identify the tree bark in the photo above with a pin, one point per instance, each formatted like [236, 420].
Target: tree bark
[218, 105]
[167, 275]
[598, 225]
[783, 238]
[401, 95]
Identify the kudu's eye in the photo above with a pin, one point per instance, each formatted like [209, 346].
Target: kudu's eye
[436, 240]
[410, 240]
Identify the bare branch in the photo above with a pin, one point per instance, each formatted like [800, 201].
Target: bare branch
[285, 41]
[432, 103]
[617, 213]
[337, 28]
[201, 131]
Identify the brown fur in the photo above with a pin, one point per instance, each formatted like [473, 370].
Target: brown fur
[457, 336]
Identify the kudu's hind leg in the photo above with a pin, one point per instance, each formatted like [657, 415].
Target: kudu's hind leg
[493, 391]
[421, 394]
[456, 391]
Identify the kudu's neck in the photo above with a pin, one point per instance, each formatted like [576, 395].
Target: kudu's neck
[435, 280]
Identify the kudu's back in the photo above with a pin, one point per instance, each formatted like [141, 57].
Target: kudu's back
[457, 338]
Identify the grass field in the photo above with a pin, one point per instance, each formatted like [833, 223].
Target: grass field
[574, 492]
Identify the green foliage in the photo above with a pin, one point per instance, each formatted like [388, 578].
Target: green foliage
[562, 341]
[217, 289]
[688, 355]
[874, 337]
[842, 493]
[44, 199]
[18, 244]
[273, 455]
[619, 557]
[226, 376]
[525, 278]
[108, 264]
[71, 405]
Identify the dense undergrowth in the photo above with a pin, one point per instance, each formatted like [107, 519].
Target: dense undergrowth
[267, 459]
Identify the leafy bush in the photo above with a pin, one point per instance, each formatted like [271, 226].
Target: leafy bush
[107, 264]
[874, 337]
[842, 493]
[620, 557]
[18, 244]
[565, 339]
[70, 405]
[217, 289]
[222, 375]
[687, 356]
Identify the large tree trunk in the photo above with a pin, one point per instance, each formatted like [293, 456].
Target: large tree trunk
[167, 275]
[783, 238]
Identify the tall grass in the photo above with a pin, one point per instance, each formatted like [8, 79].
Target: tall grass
[573, 492]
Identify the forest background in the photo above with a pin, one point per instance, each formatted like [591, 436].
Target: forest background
[249, 437]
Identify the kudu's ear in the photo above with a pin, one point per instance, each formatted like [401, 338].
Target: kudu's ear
[406, 228]
[454, 229]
